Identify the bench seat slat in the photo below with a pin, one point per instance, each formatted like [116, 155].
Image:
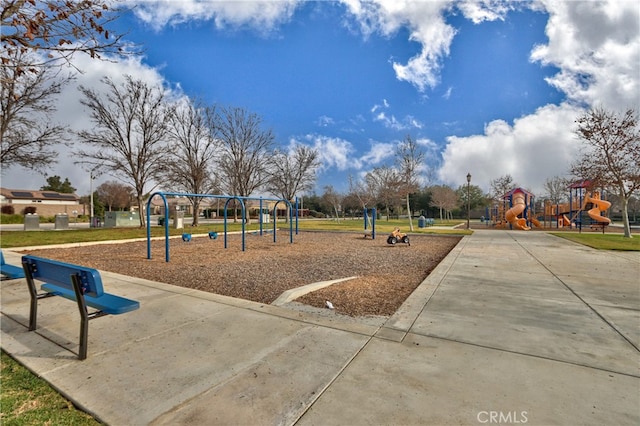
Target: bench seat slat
[12, 271]
[107, 303]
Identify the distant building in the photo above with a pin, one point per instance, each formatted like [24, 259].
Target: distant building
[46, 203]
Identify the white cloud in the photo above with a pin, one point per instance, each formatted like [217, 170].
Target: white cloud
[391, 122]
[596, 45]
[333, 152]
[483, 10]
[426, 22]
[536, 147]
[262, 15]
[325, 121]
[379, 152]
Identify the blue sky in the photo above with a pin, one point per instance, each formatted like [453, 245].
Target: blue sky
[486, 87]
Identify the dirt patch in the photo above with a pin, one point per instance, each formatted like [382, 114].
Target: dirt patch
[387, 274]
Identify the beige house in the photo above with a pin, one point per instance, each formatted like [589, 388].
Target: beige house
[46, 203]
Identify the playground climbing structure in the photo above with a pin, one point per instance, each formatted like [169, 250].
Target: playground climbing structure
[583, 208]
[515, 211]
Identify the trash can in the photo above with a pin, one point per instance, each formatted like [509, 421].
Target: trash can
[422, 222]
[62, 221]
[161, 221]
[31, 222]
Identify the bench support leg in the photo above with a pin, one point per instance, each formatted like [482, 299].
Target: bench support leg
[84, 317]
[33, 310]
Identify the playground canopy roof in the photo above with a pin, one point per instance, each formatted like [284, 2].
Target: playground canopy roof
[580, 184]
[514, 190]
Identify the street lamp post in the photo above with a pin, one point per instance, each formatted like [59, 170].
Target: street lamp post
[92, 175]
[91, 199]
[468, 200]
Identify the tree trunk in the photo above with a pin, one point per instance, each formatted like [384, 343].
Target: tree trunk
[625, 217]
[141, 212]
[196, 213]
[409, 214]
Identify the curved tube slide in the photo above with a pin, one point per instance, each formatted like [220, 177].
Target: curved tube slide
[598, 206]
[513, 213]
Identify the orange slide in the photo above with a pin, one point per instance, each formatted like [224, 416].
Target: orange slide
[598, 206]
[512, 214]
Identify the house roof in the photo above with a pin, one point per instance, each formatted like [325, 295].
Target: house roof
[30, 194]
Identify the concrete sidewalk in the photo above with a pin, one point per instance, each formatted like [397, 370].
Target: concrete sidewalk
[512, 327]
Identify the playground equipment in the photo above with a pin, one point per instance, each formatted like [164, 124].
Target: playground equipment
[370, 223]
[519, 205]
[599, 205]
[515, 203]
[228, 198]
[580, 201]
[397, 236]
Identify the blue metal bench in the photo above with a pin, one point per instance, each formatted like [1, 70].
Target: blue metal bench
[78, 283]
[10, 271]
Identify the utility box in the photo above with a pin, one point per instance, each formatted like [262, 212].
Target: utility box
[62, 221]
[121, 219]
[178, 220]
[31, 222]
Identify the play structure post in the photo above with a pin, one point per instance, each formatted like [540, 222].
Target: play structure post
[297, 214]
[166, 225]
[226, 205]
[260, 216]
[373, 221]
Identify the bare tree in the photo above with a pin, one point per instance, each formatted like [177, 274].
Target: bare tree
[194, 142]
[244, 152]
[333, 200]
[556, 188]
[293, 172]
[385, 182]
[444, 198]
[409, 157]
[611, 157]
[115, 194]
[27, 101]
[500, 186]
[362, 190]
[58, 28]
[129, 133]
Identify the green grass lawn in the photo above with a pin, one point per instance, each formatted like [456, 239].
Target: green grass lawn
[28, 400]
[9, 239]
[603, 241]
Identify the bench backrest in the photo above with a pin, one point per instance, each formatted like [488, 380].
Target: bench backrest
[59, 273]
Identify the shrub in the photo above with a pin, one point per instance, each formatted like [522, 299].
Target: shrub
[29, 210]
[8, 209]
[12, 219]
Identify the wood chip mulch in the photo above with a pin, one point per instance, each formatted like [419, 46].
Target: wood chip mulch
[387, 274]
